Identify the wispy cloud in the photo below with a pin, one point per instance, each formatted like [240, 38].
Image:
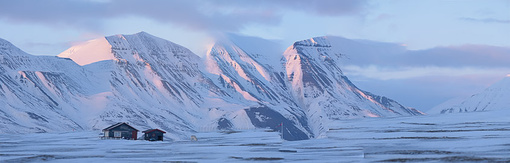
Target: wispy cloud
[387, 73]
[394, 55]
[219, 15]
[386, 61]
[485, 20]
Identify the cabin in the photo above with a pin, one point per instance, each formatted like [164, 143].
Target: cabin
[153, 134]
[121, 130]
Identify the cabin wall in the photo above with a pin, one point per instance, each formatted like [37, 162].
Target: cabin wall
[126, 132]
[155, 134]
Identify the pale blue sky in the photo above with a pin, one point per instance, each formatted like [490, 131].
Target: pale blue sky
[51, 26]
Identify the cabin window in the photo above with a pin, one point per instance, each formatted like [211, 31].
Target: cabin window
[117, 134]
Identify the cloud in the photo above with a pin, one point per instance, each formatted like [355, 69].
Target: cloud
[365, 53]
[485, 20]
[389, 61]
[421, 78]
[53, 12]
[322, 7]
[382, 17]
[326, 7]
[459, 56]
[385, 73]
[426, 92]
[192, 14]
[222, 15]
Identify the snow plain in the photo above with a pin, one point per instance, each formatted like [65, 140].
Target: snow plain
[463, 137]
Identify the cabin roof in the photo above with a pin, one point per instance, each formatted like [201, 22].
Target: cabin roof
[118, 124]
[152, 130]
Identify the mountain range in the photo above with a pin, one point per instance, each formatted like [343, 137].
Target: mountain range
[242, 83]
[495, 97]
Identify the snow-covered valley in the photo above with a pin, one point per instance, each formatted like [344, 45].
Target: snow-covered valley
[246, 101]
[465, 137]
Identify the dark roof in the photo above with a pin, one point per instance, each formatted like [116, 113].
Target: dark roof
[118, 124]
[152, 130]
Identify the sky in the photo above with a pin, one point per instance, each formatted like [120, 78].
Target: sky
[476, 30]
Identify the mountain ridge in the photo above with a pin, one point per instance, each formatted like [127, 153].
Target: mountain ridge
[494, 97]
[154, 83]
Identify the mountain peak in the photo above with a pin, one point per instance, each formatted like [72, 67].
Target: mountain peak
[143, 33]
[314, 42]
[7, 48]
[89, 52]
[503, 84]
[495, 97]
[123, 47]
[2, 41]
[269, 51]
[139, 34]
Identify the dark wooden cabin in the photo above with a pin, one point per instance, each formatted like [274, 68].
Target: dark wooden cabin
[153, 134]
[121, 130]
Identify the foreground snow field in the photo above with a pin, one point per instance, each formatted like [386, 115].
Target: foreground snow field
[466, 137]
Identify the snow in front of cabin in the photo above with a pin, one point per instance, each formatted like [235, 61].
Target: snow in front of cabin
[465, 137]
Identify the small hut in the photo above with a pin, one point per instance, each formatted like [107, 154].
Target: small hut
[120, 130]
[153, 134]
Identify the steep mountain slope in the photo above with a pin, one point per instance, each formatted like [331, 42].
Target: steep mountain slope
[306, 83]
[145, 80]
[154, 83]
[151, 83]
[35, 91]
[321, 89]
[495, 97]
[247, 67]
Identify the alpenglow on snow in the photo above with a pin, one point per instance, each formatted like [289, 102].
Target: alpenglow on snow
[153, 83]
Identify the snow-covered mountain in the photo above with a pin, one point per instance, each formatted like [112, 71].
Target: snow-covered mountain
[307, 83]
[150, 82]
[495, 97]
[323, 92]
[250, 68]
[153, 83]
[141, 79]
[36, 91]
